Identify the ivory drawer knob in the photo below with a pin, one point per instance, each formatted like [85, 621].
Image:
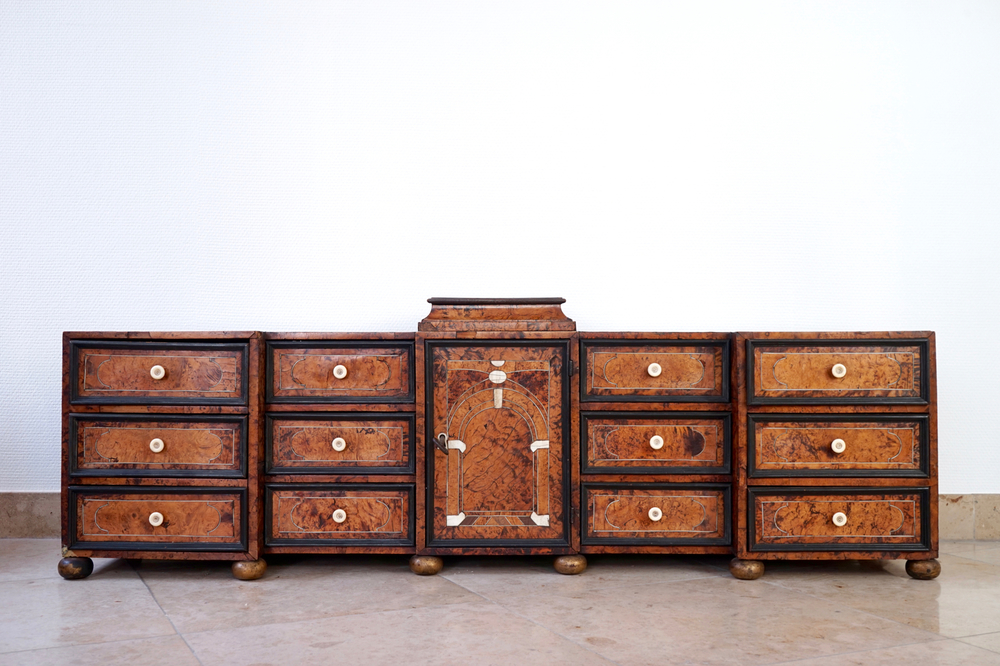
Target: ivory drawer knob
[656, 442]
[655, 513]
[339, 371]
[838, 445]
[840, 519]
[156, 519]
[339, 516]
[839, 370]
[156, 445]
[339, 444]
[157, 372]
[654, 369]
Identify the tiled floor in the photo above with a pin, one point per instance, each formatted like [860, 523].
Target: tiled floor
[622, 610]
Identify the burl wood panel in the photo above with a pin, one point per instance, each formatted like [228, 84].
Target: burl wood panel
[122, 445]
[694, 443]
[206, 518]
[501, 407]
[120, 372]
[624, 513]
[305, 445]
[783, 372]
[692, 372]
[375, 515]
[306, 373]
[805, 519]
[872, 447]
[496, 314]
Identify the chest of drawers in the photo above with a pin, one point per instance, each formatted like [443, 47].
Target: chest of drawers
[497, 428]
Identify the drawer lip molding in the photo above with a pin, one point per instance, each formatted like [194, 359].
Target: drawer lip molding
[853, 546]
[588, 468]
[408, 444]
[725, 540]
[923, 397]
[922, 421]
[407, 348]
[178, 471]
[627, 395]
[408, 488]
[186, 546]
[77, 347]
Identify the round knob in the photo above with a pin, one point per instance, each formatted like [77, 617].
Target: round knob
[656, 442]
[654, 369]
[839, 370]
[339, 371]
[339, 444]
[655, 513]
[156, 519]
[339, 516]
[156, 445]
[157, 372]
[840, 519]
[838, 445]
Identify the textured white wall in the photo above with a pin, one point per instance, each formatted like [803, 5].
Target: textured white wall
[663, 166]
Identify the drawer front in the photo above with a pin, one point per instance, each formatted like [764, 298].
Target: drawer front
[834, 519]
[158, 519]
[159, 373]
[163, 446]
[341, 443]
[345, 515]
[839, 446]
[690, 443]
[807, 371]
[340, 372]
[688, 371]
[656, 514]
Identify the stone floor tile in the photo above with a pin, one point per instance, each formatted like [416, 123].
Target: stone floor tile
[30, 559]
[986, 641]
[938, 653]
[478, 633]
[965, 546]
[164, 651]
[714, 620]
[292, 590]
[111, 605]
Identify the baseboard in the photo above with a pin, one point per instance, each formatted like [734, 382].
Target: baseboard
[965, 517]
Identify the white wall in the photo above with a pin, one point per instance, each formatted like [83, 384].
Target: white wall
[664, 166]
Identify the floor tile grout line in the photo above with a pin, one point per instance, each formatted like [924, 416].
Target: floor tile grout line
[74, 645]
[985, 633]
[611, 586]
[169, 619]
[844, 654]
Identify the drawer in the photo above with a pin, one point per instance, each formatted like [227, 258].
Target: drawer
[118, 445]
[843, 445]
[660, 371]
[839, 519]
[338, 514]
[339, 372]
[656, 514]
[837, 371]
[159, 373]
[692, 443]
[340, 443]
[114, 518]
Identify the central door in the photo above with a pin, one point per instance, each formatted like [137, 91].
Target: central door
[497, 458]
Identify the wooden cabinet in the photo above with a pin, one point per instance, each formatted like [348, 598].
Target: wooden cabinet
[497, 428]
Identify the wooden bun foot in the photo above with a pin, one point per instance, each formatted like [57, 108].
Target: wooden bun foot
[75, 568]
[425, 565]
[249, 569]
[570, 565]
[923, 569]
[746, 569]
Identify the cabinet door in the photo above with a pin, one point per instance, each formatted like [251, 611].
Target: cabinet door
[501, 408]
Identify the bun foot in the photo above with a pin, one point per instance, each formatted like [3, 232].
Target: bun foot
[249, 569]
[425, 565]
[746, 569]
[75, 568]
[570, 565]
[923, 569]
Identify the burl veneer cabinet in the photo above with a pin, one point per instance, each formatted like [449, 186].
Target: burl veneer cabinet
[497, 428]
